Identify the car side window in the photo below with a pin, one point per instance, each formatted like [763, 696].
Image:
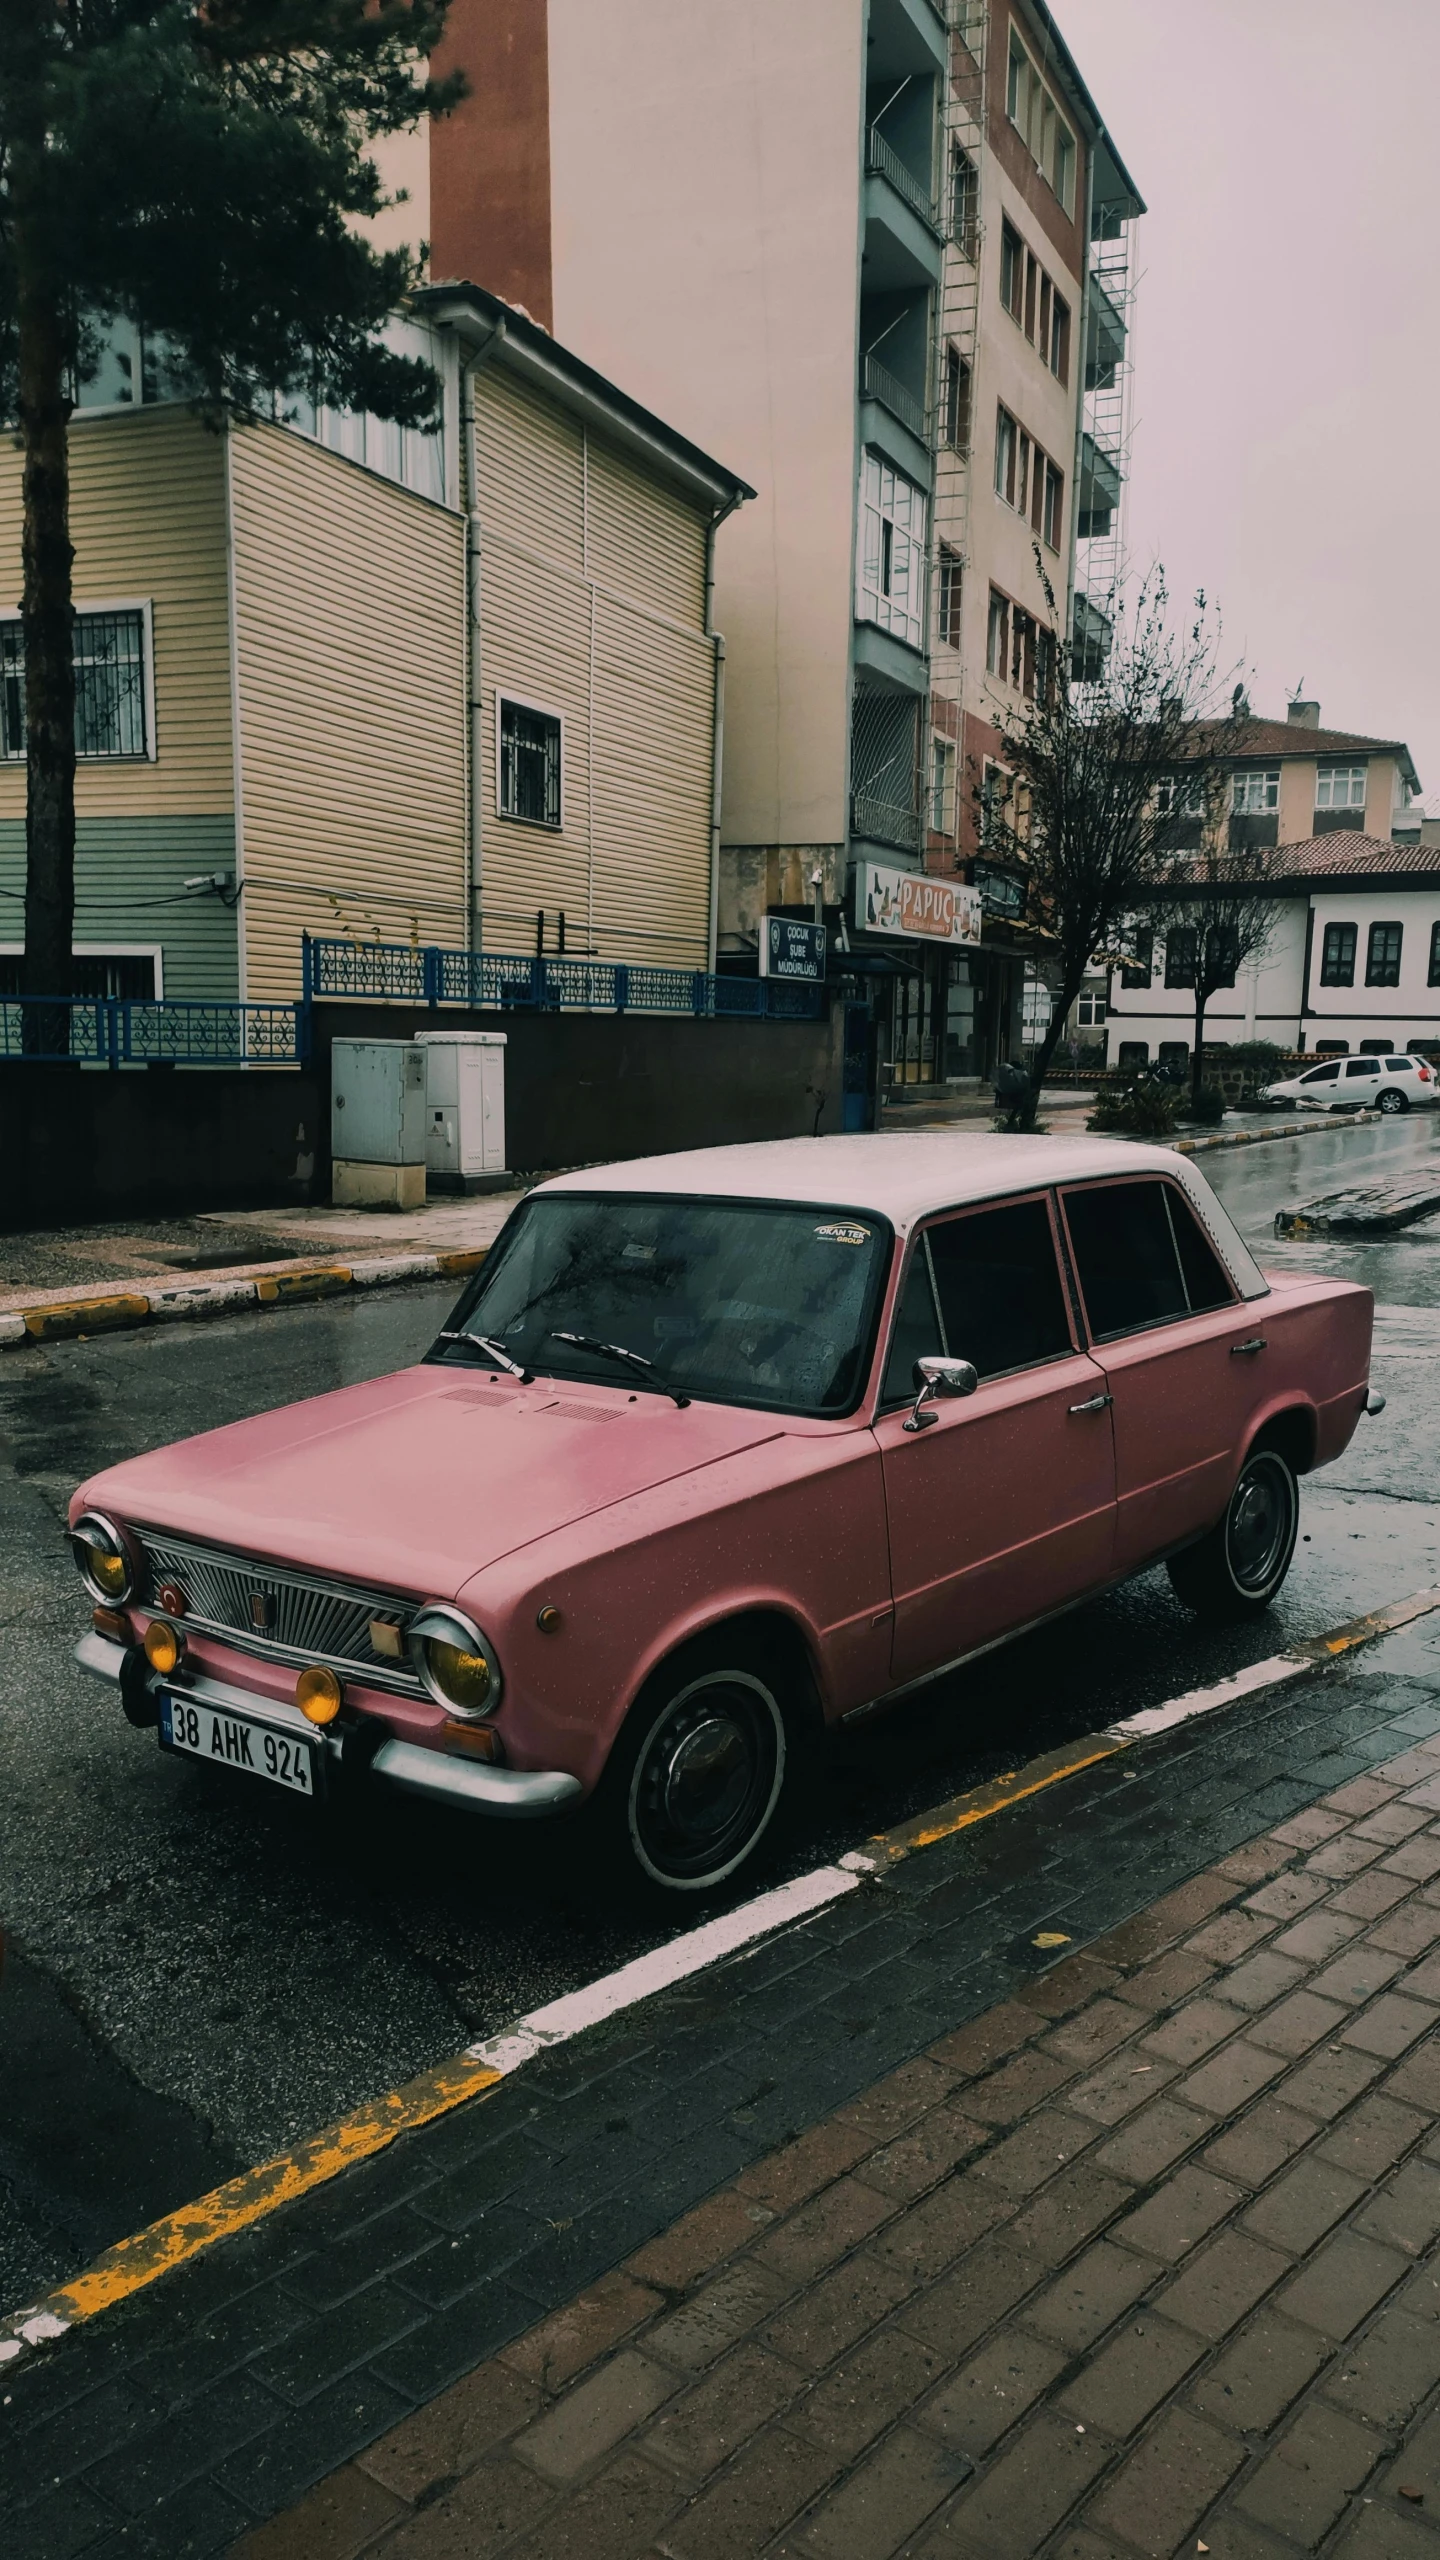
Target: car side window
[1397, 1066]
[984, 1287]
[1362, 1067]
[1322, 1075]
[1141, 1257]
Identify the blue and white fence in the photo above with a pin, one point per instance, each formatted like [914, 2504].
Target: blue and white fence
[494, 981]
[117, 1031]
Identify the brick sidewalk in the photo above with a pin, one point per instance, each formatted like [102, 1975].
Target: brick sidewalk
[1136, 2263]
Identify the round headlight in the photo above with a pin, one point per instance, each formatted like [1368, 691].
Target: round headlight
[318, 1693]
[107, 1565]
[456, 1661]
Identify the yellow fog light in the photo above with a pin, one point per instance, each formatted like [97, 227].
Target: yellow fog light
[318, 1694]
[164, 1645]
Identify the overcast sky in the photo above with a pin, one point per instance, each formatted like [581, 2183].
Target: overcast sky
[1287, 381]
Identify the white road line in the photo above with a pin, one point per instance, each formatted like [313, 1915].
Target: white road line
[663, 1966]
[1203, 1702]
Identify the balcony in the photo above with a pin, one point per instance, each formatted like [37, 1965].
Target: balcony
[1098, 493]
[882, 160]
[1104, 339]
[878, 383]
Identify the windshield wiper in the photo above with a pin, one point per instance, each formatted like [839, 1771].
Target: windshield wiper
[617, 1351]
[494, 1357]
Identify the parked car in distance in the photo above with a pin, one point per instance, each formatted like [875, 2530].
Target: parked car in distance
[716, 1451]
[1358, 1084]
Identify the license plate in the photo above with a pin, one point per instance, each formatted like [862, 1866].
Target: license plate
[233, 1742]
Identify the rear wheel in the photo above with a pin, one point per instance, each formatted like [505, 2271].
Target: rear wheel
[698, 1777]
[1236, 1570]
[1392, 1099]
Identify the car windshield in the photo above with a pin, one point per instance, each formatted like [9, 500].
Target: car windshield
[735, 1301]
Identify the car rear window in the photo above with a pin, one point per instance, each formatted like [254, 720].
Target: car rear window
[1141, 1257]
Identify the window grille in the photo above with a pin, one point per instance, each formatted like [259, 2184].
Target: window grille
[110, 707]
[529, 765]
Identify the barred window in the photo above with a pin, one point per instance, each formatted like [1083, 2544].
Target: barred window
[529, 764]
[110, 690]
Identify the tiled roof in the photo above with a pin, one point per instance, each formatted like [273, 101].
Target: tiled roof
[1255, 738]
[1347, 856]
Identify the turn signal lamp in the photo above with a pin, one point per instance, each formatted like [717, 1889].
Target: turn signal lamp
[318, 1694]
[164, 1645]
[477, 1741]
[112, 1623]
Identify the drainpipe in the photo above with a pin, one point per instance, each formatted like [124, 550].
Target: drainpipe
[470, 500]
[718, 723]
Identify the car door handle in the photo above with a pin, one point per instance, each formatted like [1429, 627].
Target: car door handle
[1092, 1404]
[1256, 1342]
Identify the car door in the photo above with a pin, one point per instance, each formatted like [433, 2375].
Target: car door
[1320, 1077]
[1361, 1083]
[1183, 1356]
[1002, 1507]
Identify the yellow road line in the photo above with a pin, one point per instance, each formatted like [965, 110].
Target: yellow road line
[257, 2192]
[979, 1803]
[83, 1315]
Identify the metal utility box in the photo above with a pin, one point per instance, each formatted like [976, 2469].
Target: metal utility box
[377, 1124]
[465, 1109]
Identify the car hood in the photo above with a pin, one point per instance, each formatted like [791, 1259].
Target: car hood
[418, 1481]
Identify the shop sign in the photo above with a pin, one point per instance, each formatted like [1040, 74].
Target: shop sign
[790, 950]
[915, 903]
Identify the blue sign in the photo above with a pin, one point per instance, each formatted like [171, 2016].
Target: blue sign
[790, 950]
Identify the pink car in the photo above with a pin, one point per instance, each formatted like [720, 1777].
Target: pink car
[718, 1450]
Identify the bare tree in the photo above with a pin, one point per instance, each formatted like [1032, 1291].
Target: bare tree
[1217, 909]
[1089, 760]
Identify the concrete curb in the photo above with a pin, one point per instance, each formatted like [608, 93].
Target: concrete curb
[1258, 1137]
[120, 1310]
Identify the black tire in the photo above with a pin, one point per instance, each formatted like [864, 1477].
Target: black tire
[1236, 1570]
[1392, 1099]
[705, 1762]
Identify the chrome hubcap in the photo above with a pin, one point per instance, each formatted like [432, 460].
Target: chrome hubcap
[1260, 1524]
[708, 1780]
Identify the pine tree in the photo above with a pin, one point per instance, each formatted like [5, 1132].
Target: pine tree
[201, 171]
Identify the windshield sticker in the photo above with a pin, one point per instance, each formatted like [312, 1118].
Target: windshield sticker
[838, 1234]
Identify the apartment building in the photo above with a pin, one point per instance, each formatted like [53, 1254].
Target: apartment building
[1354, 959]
[876, 251]
[342, 678]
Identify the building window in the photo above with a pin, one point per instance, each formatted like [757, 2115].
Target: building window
[948, 591]
[994, 793]
[1337, 958]
[997, 635]
[957, 400]
[1037, 119]
[1254, 792]
[1178, 795]
[942, 787]
[1382, 957]
[112, 685]
[1058, 342]
[133, 975]
[1054, 506]
[890, 567]
[1089, 1009]
[1433, 974]
[1139, 969]
[1012, 269]
[1022, 652]
[1007, 455]
[1340, 786]
[528, 763]
[964, 200]
[1180, 955]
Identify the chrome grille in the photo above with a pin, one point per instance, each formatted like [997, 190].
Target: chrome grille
[300, 1617]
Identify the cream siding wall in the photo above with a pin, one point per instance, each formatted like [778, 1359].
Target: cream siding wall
[592, 587]
[147, 512]
[350, 605]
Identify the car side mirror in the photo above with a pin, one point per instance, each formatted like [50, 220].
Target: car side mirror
[935, 1376]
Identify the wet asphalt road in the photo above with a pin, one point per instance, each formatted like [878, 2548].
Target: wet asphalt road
[200, 1972]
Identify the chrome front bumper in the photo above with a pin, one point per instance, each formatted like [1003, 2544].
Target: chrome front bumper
[514, 1794]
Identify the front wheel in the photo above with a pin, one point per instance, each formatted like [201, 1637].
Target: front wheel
[1236, 1570]
[1393, 1099]
[696, 1781]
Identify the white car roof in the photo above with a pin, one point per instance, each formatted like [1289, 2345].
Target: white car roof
[908, 1175]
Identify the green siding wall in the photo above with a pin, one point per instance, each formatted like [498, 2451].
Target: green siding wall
[128, 873]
